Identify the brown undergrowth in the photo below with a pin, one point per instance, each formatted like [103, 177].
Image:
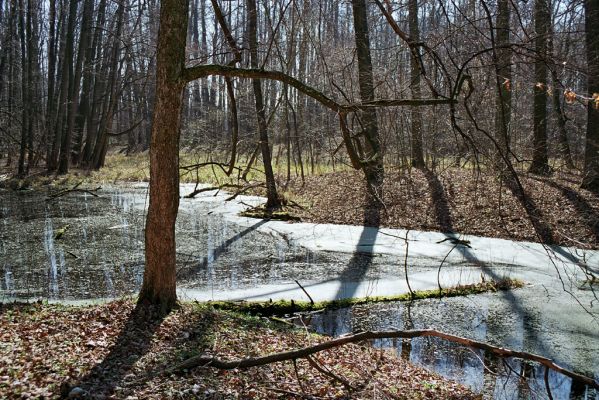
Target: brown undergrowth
[112, 351]
[461, 201]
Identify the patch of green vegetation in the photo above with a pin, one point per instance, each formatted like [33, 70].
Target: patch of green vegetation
[429, 385]
[261, 212]
[282, 307]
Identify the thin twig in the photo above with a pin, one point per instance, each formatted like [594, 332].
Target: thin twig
[307, 294]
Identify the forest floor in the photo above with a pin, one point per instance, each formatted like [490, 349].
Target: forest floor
[556, 210]
[115, 350]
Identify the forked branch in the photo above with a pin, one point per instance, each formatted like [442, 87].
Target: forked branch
[215, 362]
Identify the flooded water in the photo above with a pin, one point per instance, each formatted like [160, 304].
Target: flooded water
[82, 247]
[73, 247]
[79, 246]
[489, 318]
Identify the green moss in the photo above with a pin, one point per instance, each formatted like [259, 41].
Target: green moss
[282, 307]
[263, 213]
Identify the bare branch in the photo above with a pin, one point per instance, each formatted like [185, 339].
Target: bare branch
[210, 361]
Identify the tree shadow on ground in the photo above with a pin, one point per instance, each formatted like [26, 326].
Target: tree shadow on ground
[440, 201]
[535, 216]
[587, 213]
[133, 342]
[444, 221]
[542, 229]
[118, 370]
[362, 258]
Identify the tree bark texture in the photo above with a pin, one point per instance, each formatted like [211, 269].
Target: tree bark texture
[540, 165]
[417, 153]
[503, 106]
[590, 178]
[271, 187]
[373, 167]
[159, 284]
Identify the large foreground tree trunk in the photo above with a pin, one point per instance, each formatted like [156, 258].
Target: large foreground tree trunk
[159, 285]
[591, 155]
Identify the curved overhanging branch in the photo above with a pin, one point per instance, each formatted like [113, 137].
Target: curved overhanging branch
[211, 361]
[228, 71]
[204, 70]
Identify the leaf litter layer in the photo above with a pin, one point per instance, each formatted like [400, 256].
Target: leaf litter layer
[112, 351]
[458, 200]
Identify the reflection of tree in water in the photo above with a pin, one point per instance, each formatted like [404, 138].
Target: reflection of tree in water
[494, 377]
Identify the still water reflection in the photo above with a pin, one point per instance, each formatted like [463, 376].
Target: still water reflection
[480, 320]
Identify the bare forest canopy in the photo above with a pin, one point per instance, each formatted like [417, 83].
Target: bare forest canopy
[77, 77]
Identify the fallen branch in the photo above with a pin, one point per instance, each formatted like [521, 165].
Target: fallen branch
[210, 361]
[72, 190]
[211, 188]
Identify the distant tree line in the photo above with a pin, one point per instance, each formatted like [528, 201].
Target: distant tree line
[77, 77]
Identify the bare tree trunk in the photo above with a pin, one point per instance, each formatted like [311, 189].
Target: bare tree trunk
[87, 71]
[66, 44]
[25, 106]
[503, 106]
[562, 132]
[50, 116]
[33, 74]
[159, 284]
[540, 165]
[417, 151]
[272, 198]
[65, 151]
[234, 124]
[97, 90]
[590, 178]
[111, 98]
[373, 166]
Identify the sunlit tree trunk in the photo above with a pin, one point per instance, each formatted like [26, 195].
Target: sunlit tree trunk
[503, 108]
[417, 152]
[159, 284]
[271, 187]
[373, 166]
